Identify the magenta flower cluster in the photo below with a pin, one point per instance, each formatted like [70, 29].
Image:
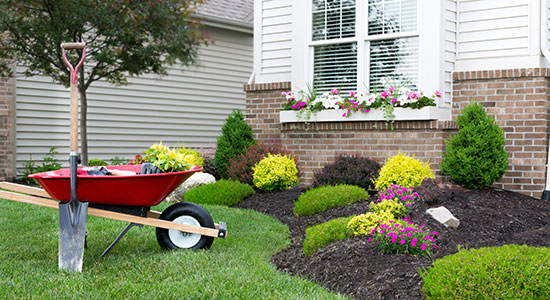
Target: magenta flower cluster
[404, 195]
[351, 104]
[298, 104]
[403, 237]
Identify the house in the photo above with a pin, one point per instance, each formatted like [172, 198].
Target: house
[493, 51]
[187, 106]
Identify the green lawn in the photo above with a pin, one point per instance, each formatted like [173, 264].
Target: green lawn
[235, 268]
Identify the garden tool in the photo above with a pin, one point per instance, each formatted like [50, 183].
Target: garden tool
[72, 214]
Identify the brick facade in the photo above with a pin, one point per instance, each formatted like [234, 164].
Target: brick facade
[518, 99]
[7, 128]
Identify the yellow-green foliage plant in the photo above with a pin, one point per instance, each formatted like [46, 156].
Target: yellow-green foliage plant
[193, 156]
[403, 170]
[365, 223]
[275, 173]
[391, 206]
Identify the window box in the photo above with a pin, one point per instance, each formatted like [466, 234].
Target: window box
[401, 114]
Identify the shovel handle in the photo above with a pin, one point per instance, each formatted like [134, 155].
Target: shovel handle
[70, 46]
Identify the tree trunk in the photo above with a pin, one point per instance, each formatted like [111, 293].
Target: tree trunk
[83, 117]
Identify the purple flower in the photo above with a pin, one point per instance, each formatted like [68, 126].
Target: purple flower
[413, 243]
[402, 242]
[423, 247]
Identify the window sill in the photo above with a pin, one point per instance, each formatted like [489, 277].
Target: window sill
[401, 114]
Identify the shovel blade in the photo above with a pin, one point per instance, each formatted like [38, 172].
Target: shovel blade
[72, 234]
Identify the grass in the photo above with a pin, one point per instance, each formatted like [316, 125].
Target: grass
[223, 192]
[323, 234]
[322, 198]
[507, 272]
[234, 268]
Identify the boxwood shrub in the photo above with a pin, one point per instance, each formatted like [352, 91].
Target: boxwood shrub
[507, 272]
[322, 198]
[323, 234]
[223, 192]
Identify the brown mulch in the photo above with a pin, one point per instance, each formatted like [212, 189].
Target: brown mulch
[489, 217]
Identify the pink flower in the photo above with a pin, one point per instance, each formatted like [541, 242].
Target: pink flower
[353, 94]
[423, 247]
[344, 115]
[334, 91]
[402, 242]
[407, 204]
[413, 243]
[438, 94]
[391, 89]
[385, 94]
[283, 93]
[435, 233]
[371, 238]
[409, 234]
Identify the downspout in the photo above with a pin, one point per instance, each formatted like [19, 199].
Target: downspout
[546, 53]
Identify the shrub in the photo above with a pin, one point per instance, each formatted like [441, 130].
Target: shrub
[194, 157]
[391, 206]
[404, 195]
[402, 170]
[118, 161]
[223, 192]
[49, 163]
[210, 167]
[475, 156]
[275, 173]
[322, 198]
[507, 272]
[323, 234]
[402, 236]
[97, 163]
[353, 170]
[365, 223]
[240, 166]
[236, 137]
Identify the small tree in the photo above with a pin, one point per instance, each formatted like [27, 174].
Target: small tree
[123, 37]
[475, 156]
[235, 139]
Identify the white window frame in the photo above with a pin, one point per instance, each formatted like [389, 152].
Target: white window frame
[430, 20]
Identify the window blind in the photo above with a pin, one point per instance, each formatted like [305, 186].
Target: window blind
[391, 16]
[335, 66]
[396, 59]
[333, 19]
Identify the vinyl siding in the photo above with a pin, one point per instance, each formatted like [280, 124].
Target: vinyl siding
[184, 106]
[489, 28]
[276, 34]
[450, 25]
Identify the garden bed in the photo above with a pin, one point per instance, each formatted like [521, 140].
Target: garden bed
[489, 217]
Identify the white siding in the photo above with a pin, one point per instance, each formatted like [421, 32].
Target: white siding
[276, 39]
[547, 23]
[187, 107]
[449, 25]
[489, 28]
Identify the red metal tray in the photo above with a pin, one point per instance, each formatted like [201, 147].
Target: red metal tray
[135, 190]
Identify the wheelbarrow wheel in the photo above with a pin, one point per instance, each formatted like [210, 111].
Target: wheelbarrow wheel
[189, 214]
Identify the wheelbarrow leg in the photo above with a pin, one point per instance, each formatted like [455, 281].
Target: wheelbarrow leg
[119, 237]
[72, 226]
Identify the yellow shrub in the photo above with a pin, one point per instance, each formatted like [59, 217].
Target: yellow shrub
[402, 170]
[391, 206]
[363, 224]
[192, 157]
[275, 173]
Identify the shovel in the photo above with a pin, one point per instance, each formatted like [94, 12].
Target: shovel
[72, 214]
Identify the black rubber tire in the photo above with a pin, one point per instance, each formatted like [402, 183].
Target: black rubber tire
[185, 209]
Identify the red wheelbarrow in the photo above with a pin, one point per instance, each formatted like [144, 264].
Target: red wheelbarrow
[182, 225]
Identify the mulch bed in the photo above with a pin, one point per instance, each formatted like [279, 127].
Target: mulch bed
[489, 217]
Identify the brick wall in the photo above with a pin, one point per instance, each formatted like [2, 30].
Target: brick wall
[7, 126]
[518, 99]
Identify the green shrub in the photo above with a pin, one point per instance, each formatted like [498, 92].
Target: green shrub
[49, 163]
[223, 192]
[117, 161]
[475, 156]
[323, 234]
[275, 173]
[402, 170]
[352, 170]
[235, 138]
[97, 163]
[507, 272]
[322, 198]
[365, 223]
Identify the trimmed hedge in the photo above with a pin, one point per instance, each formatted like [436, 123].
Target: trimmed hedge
[323, 234]
[507, 272]
[223, 192]
[322, 198]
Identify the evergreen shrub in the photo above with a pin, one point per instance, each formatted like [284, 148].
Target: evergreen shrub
[348, 169]
[235, 139]
[323, 234]
[275, 172]
[322, 198]
[222, 192]
[475, 156]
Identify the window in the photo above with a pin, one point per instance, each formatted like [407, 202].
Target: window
[379, 37]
